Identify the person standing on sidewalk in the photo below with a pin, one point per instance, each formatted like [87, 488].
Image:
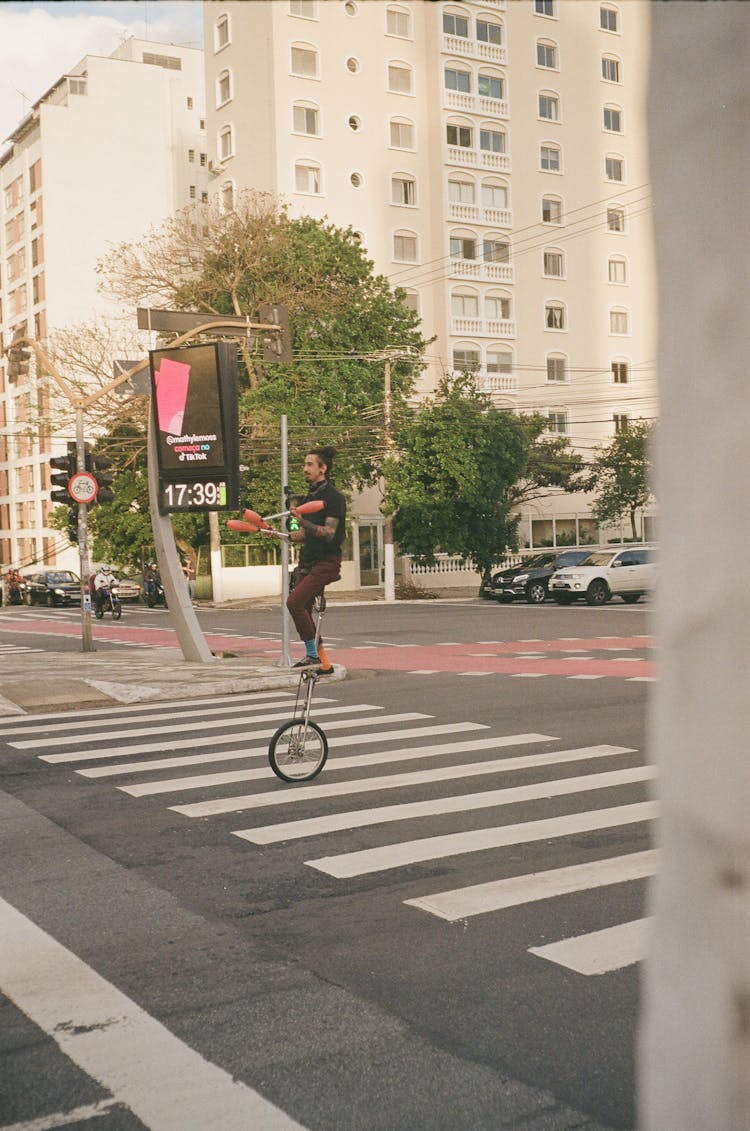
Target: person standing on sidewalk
[321, 535]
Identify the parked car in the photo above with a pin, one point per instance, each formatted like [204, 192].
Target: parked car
[620, 572]
[52, 587]
[530, 580]
[495, 586]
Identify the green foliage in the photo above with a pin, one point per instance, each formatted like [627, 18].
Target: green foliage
[620, 475]
[451, 490]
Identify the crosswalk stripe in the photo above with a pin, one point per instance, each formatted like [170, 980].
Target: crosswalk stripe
[600, 952]
[405, 754]
[22, 726]
[208, 724]
[218, 712]
[479, 899]
[462, 803]
[229, 740]
[490, 799]
[198, 781]
[477, 840]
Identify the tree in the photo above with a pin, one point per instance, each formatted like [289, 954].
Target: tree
[342, 317]
[620, 475]
[451, 488]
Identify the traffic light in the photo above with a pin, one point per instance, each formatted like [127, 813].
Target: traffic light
[65, 467]
[96, 465]
[292, 523]
[277, 345]
[19, 356]
[72, 530]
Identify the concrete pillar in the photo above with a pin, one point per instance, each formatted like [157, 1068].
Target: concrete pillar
[695, 1037]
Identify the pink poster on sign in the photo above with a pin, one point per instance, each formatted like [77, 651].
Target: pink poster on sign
[171, 395]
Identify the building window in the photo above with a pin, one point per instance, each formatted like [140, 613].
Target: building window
[191, 156]
[620, 422]
[398, 22]
[306, 119]
[169, 62]
[465, 360]
[223, 88]
[490, 86]
[492, 141]
[544, 7]
[307, 177]
[461, 192]
[305, 62]
[614, 169]
[549, 107]
[620, 373]
[457, 80]
[401, 133]
[554, 316]
[399, 78]
[455, 25]
[496, 251]
[204, 198]
[405, 247]
[222, 32]
[494, 196]
[546, 54]
[352, 65]
[356, 180]
[610, 69]
[499, 361]
[403, 189]
[354, 123]
[463, 247]
[616, 219]
[557, 421]
[550, 158]
[613, 119]
[189, 103]
[459, 135]
[489, 32]
[227, 196]
[554, 265]
[608, 18]
[201, 123]
[497, 308]
[617, 271]
[306, 9]
[464, 305]
[226, 143]
[191, 192]
[552, 210]
[410, 299]
[557, 368]
[203, 160]
[618, 322]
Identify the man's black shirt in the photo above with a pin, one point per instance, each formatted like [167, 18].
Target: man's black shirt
[315, 549]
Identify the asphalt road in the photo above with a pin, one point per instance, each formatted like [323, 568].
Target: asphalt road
[455, 948]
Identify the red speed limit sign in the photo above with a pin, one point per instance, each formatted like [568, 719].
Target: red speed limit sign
[82, 487]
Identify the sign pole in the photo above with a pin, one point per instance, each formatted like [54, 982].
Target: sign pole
[285, 661]
[87, 641]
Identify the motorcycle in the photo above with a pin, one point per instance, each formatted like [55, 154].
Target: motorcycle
[109, 603]
[16, 591]
[154, 594]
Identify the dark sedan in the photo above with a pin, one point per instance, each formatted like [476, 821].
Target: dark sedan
[53, 587]
[530, 579]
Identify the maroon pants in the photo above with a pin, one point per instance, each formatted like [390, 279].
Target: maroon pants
[300, 600]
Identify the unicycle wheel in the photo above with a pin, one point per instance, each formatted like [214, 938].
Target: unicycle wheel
[298, 751]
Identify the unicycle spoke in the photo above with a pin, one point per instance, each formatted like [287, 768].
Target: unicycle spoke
[298, 750]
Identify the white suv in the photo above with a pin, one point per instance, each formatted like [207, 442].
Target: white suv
[626, 573]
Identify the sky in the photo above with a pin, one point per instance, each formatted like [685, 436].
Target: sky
[40, 40]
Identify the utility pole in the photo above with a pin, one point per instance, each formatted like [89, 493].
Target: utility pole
[389, 565]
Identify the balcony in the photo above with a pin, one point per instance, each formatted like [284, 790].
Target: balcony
[480, 271]
[476, 104]
[473, 49]
[478, 159]
[483, 327]
[473, 214]
[497, 382]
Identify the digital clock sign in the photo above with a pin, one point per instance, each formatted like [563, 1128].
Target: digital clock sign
[195, 398]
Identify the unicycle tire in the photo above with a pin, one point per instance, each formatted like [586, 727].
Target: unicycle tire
[298, 752]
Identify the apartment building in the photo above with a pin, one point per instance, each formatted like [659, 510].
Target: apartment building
[493, 155]
[113, 147]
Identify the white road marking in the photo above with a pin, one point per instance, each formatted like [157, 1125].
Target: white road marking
[64, 1118]
[478, 840]
[479, 899]
[230, 740]
[600, 952]
[334, 822]
[163, 1082]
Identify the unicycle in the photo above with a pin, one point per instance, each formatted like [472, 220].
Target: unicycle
[299, 748]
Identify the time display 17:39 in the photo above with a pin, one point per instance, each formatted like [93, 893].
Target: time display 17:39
[192, 496]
